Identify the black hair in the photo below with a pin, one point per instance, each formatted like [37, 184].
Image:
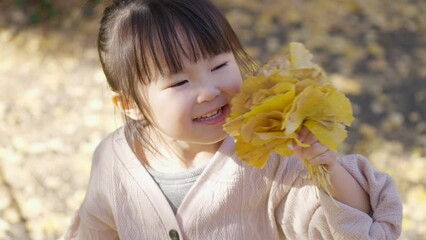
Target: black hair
[137, 36]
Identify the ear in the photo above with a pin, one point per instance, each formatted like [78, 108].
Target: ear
[127, 106]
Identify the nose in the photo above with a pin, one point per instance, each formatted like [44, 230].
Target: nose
[207, 93]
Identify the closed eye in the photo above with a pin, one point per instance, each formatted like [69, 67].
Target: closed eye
[179, 83]
[220, 66]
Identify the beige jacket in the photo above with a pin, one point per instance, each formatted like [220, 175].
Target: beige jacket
[230, 200]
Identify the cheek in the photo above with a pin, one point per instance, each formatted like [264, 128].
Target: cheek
[239, 84]
[170, 108]
[235, 83]
[156, 102]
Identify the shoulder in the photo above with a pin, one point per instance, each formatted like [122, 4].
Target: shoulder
[108, 144]
[106, 166]
[101, 187]
[110, 148]
[106, 158]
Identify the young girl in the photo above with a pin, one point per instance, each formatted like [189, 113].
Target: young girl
[171, 172]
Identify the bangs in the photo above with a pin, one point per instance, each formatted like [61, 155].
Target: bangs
[184, 30]
[140, 39]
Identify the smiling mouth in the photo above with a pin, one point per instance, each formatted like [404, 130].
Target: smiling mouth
[211, 115]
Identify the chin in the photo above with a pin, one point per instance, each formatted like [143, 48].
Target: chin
[214, 139]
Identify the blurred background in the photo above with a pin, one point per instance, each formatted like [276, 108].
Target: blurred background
[55, 104]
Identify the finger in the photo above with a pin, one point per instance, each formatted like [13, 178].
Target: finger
[326, 158]
[315, 150]
[310, 138]
[298, 150]
[303, 133]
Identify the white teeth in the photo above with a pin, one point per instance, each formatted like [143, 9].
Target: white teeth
[209, 115]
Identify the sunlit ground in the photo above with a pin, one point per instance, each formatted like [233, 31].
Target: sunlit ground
[55, 104]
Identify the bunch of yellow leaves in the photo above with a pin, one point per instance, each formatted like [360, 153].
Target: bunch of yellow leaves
[287, 94]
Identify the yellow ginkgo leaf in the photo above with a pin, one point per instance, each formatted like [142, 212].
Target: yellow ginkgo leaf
[233, 125]
[330, 136]
[273, 103]
[265, 122]
[265, 94]
[336, 104]
[289, 93]
[304, 105]
[299, 56]
[257, 155]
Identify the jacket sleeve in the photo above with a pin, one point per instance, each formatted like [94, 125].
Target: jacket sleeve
[312, 214]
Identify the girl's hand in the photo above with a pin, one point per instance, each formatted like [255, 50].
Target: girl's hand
[316, 153]
[344, 187]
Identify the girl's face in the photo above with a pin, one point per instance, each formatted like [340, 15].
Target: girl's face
[192, 105]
